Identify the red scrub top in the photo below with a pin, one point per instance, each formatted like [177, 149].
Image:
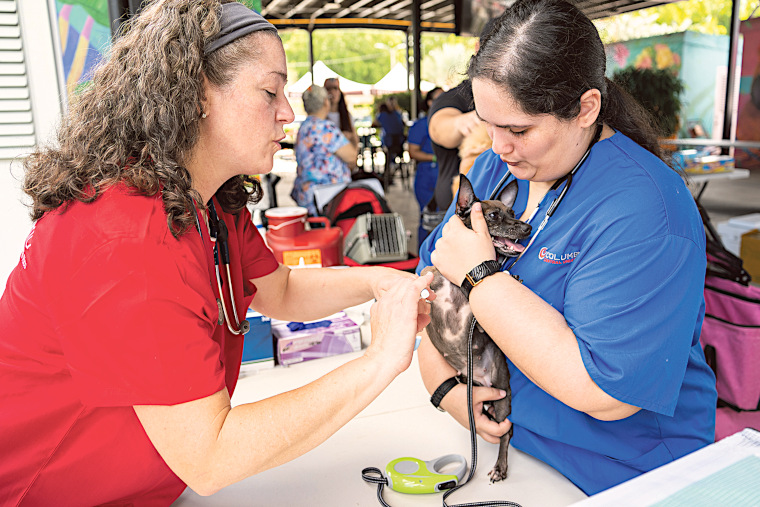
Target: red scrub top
[106, 310]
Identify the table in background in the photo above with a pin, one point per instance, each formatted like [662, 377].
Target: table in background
[703, 179]
[400, 422]
[725, 144]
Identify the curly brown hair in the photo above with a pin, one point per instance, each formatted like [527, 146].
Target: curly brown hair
[138, 119]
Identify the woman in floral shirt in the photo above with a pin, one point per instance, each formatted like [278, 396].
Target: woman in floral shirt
[323, 153]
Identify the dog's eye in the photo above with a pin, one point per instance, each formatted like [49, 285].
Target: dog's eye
[493, 215]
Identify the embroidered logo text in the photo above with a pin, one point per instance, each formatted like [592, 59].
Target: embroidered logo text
[556, 258]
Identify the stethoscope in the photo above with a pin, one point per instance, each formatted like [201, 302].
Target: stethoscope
[217, 231]
[567, 179]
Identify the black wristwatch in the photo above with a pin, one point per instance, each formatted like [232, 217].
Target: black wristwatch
[478, 273]
[442, 391]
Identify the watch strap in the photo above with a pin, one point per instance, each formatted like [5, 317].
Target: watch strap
[442, 391]
[478, 274]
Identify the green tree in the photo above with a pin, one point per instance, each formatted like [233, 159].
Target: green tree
[364, 55]
[349, 52]
[445, 58]
[704, 16]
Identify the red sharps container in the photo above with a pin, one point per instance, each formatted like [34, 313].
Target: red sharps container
[295, 245]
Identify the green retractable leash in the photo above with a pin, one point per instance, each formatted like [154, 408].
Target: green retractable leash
[412, 475]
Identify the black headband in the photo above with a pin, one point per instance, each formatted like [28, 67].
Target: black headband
[237, 20]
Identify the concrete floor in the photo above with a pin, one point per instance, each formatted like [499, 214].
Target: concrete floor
[722, 199]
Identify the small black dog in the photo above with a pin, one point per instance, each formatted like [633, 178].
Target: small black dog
[451, 316]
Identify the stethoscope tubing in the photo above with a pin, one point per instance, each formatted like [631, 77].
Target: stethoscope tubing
[567, 179]
[218, 234]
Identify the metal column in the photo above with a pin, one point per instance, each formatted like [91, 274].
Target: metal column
[417, 54]
[733, 53]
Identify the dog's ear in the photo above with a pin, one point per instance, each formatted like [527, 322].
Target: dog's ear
[509, 194]
[466, 196]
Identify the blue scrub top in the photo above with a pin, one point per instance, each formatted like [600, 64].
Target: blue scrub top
[623, 259]
[426, 173]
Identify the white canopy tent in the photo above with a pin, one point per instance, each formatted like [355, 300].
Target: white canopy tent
[322, 72]
[396, 81]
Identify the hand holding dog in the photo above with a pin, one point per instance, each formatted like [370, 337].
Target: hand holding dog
[460, 249]
[455, 403]
[466, 123]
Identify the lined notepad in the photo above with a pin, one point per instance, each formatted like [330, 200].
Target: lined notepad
[735, 485]
[726, 473]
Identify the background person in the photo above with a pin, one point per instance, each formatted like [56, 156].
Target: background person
[421, 150]
[338, 113]
[389, 119]
[451, 119]
[323, 153]
[116, 365]
[608, 377]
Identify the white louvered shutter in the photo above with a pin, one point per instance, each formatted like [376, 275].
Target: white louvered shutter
[16, 121]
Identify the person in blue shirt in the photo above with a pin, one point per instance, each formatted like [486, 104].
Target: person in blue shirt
[608, 378]
[421, 151]
[391, 122]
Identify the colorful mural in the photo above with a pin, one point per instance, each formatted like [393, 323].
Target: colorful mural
[694, 57]
[84, 27]
[748, 117]
[656, 56]
[252, 4]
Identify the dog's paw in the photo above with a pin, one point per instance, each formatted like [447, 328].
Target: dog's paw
[499, 473]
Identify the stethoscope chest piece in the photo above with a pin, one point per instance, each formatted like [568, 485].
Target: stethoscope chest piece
[220, 320]
[412, 475]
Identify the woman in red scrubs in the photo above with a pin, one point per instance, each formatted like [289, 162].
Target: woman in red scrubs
[116, 360]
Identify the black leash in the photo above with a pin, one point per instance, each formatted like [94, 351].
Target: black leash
[375, 476]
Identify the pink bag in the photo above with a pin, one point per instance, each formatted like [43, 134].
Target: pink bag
[731, 339]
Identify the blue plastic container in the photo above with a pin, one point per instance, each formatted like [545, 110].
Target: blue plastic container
[258, 346]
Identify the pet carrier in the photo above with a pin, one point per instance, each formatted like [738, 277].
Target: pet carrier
[376, 238]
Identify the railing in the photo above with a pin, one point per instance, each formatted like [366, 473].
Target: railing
[721, 143]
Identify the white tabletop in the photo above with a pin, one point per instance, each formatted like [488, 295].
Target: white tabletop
[400, 422]
[735, 174]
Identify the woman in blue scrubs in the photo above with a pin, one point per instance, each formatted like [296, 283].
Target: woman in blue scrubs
[602, 335]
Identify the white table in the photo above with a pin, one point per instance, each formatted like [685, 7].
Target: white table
[400, 422]
[703, 179]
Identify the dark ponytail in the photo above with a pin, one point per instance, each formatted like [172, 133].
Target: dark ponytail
[623, 113]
